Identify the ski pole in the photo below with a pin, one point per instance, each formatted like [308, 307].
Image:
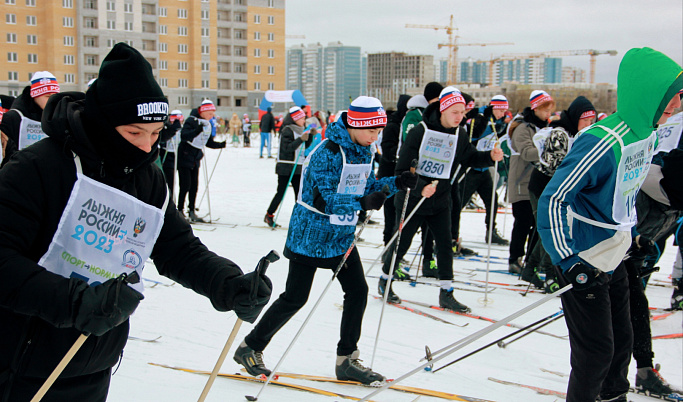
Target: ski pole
[261, 267]
[132, 278]
[317, 303]
[503, 344]
[499, 341]
[387, 288]
[291, 175]
[209, 180]
[467, 340]
[492, 213]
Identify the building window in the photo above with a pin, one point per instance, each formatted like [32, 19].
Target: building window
[10, 2]
[31, 3]
[69, 78]
[257, 35]
[182, 49]
[163, 82]
[67, 22]
[182, 100]
[128, 26]
[12, 57]
[13, 76]
[205, 14]
[257, 86]
[271, 20]
[69, 60]
[257, 52]
[257, 69]
[91, 60]
[182, 83]
[163, 47]
[239, 34]
[163, 29]
[271, 86]
[163, 65]
[205, 67]
[128, 8]
[182, 66]
[68, 41]
[67, 3]
[271, 37]
[257, 19]
[31, 20]
[182, 31]
[271, 70]
[271, 3]
[239, 17]
[182, 13]
[205, 49]
[271, 53]
[90, 23]
[239, 67]
[240, 84]
[11, 38]
[111, 24]
[91, 41]
[32, 39]
[111, 6]
[205, 84]
[33, 58]
[162, 11]
[206, 32]
[110, 43]
[11, 18]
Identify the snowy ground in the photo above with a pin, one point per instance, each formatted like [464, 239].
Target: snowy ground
[193, 333]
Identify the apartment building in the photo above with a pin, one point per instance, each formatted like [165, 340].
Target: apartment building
[199, 49]
[391, 74]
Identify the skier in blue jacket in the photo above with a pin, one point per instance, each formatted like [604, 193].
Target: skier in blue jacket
[586, 216]
[337, 181]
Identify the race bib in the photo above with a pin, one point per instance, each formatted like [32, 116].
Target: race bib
[437, 152]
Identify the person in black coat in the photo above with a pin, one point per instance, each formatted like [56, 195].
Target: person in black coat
[56, 283]
[266, 126]
[439, 144]
[194, 136]
[293, 142]
[168, 146]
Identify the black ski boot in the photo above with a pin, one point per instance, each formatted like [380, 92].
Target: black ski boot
[677, 296]
[269, 219]
[429, 269]
[459, 250]
[348, 368]
[194, 218]
[392, 298]
[251, 360]
[650, 382]
[618, 398]
[516, 266]
[530, 275]
[496, 238]
[447, 301]
[400, 274]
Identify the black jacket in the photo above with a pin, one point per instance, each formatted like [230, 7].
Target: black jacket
[390, 136]
[267, 123]
[465, 155]
[11, 121]
[288, 146]
[36, 324]
[189, 156]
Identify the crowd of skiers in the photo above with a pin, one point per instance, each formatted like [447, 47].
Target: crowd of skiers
[101, 199]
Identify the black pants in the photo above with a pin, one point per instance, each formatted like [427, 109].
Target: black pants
[538, 259]
[440, 226]
[522, 229]
[298, 287]
[168, 167]
[247, 140]
[456, 209]
[189, 183]
[91, 387]
[389, 219]
[600, 337]
[282, 182]
[481, 183]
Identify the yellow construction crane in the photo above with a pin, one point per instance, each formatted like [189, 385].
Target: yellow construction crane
[453, 44]
[554, 53]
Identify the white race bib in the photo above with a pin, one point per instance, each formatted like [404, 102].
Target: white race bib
[669, 133]
[437, 152]
[30, 132]
[631, 172]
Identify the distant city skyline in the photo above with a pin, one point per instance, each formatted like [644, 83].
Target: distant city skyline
[537, 26]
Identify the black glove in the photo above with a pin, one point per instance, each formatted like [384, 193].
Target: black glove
[584, 277]
[246, 306]
[406, 180]
[100, 308]
[373, 201]
[673, 163]
[644, 246]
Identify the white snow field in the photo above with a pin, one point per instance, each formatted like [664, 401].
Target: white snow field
[193, 333]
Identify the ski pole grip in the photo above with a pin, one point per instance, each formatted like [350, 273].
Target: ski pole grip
[261, 267]
[413, 166]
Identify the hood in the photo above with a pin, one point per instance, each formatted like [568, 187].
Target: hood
[401, 109]
[530, 117]
[417, 101]
[486, 111]
[338, 133]
[569, 119]
[25, 104]
[432, 118]
[195, 113]
[647, 81]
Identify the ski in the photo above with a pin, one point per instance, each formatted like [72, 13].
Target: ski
[157, 283]
[557, 373]
[480, 259]
[414, 282]
[202, 229]
[668, 336]
[420, 312]
[542, 391]
[241, 377]
[478, 317]
[673, 397]
[149, 340]
[403, 388]
[661, 316]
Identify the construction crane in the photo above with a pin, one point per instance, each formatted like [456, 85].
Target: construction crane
[453, 44]
[553, 53]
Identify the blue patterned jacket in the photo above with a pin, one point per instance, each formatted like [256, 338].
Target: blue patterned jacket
[310, 233]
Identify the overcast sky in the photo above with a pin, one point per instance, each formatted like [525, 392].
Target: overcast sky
[533, 26]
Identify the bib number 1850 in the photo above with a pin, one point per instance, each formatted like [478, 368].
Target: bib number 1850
[428, 166]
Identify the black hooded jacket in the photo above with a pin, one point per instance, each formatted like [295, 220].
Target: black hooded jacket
[288, 146]
[11, 121]
[465, 155]
[189, 157]
[36, 321]
[390, 136]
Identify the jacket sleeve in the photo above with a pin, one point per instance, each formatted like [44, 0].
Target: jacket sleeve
[522, 142]
[410, 121]
[287, 141]
[178, 254]
[190, 129]
[169, 131]
[585, 166]
[10, 125]
[467, 154]
[26, 287]
[390, 142]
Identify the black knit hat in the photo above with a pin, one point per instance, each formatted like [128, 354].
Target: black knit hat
[125, 90]
[432, 90]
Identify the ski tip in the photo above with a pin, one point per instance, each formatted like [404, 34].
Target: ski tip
[413, 284]
[428, 368]
[251, 398]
